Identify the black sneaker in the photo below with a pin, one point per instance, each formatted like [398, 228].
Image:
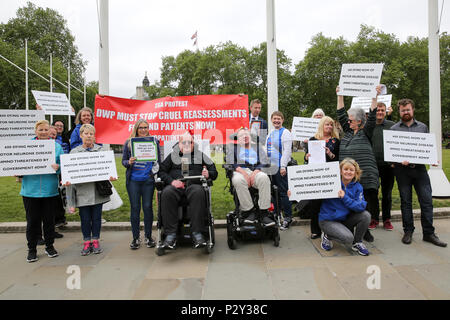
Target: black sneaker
[170, 241]
[433, 238]
[368, 236]
[51, 252]
[40, 242]
[150, 242]
[286, 223]
[250, 218]
[268, 222]
[58, 235]
[135, 244]
[32, 256]
[199, 240]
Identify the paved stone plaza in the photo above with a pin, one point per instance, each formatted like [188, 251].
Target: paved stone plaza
[297, 269]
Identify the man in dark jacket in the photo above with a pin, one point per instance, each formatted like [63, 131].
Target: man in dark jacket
[188, 158]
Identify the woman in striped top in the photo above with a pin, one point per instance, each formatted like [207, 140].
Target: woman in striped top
[355, 144]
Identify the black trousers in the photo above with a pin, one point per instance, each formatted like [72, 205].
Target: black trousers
[387, 178]
[40, 210]
[314, 208]
[195, 197]
[373, 206]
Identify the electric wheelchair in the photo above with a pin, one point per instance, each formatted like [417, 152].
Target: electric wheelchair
[237, 230]
[184, 234]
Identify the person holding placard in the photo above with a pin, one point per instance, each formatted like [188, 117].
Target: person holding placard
[328, 133]
[140, 184]
[385, 170]
[62, 135]
[409, 175]
[84, 116]
[87, 197]
[339, 216]
[355, 144]
[40, 193]
[279, 150]
[317, 114]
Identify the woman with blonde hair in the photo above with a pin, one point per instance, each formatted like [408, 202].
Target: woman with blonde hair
[40, 195]
[339, 216]
[326, 131]
[84, 116]
[140, 186]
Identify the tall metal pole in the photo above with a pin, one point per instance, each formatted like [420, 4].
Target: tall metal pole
[439, 182]
[103, 79]
[272, 79]
[26, 74]
[68, 94]
[51, 81]
[84, 91]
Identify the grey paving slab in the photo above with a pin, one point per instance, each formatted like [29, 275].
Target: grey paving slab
[295, 284]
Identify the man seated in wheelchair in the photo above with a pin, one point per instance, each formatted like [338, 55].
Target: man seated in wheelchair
[185, 160]
[248, 160]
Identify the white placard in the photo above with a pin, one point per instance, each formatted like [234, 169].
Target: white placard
[314, 181]
[19, 124]
[203, 145]
[316, 149]
[360, 79]
[415, 147]
[304, 128]
[144, 149]
[88, 167]
[53, 102]
[365, 103]
[26, 157]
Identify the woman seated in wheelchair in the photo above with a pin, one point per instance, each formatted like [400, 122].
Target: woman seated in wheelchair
[247, 160]
[197, 164]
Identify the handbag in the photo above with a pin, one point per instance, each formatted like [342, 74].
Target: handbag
[104, 188]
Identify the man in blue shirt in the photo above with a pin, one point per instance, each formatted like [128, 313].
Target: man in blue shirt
[416, 175]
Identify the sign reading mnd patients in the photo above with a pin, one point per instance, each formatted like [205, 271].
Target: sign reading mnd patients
[53, 103]
[314, 181]
[87, 167]
[26, 157]
[19, 124]
[365, 103]
[360, 79]
[304, 128]
[415, 147]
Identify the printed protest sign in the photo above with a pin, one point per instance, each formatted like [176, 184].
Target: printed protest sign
[53, 102]
[304, 128]
[314, 181]
[365, 103]
[211, 117]
[316, 149]
[360, 79]
[19, 124]
[415, 147]
[88, 167]
[144, 149]
[26, 157]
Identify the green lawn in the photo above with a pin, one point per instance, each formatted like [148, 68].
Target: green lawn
[11, 206]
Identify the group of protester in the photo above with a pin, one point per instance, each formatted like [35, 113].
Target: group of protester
[355, 140]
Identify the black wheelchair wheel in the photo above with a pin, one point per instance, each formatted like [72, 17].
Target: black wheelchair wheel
[160, 251]
[276, 239]
[209, 248]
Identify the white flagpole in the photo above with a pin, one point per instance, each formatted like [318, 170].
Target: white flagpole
[51, 82]
[26, 74]
[439, 182]
[272, 79]
[103, 79]
[68, 93]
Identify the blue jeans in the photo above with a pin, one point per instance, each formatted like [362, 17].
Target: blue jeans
[91, 221]
[418, 177]
[137, 191]
[282, 183]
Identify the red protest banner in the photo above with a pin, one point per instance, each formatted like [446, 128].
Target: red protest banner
[212, 117]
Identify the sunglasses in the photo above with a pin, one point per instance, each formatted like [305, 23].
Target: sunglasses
[186, 143]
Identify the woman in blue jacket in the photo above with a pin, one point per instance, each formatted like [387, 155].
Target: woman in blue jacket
[84, 116]
[140, 187]
[339, 216]
[40, 195]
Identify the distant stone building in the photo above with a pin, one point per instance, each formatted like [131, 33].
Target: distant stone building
[141, 94]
